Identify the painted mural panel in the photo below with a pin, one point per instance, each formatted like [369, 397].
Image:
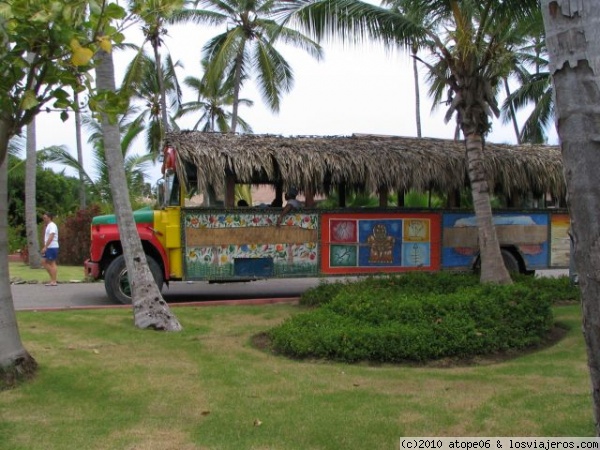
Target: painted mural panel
[371, 243]
[230, 244]
[560, 241]
[528, 232]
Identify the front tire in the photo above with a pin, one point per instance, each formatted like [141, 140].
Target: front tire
[116, 281]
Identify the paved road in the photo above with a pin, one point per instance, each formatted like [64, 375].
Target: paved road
[91, 295]
[87, 295]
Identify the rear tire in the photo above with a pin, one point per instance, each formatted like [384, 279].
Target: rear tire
[510, 261]
[116, 282]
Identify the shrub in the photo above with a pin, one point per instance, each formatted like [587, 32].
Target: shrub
[16, 238]
[558, 289]
[408, 283]
[322, 293]
[75, 237]
[386, 322]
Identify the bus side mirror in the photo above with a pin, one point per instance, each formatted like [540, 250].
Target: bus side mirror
[160, 193]
[165, 189]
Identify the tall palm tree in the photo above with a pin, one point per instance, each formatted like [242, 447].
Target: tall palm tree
[150, 310]
[79, 146]
[247, 47]
[535, 89]
[576, 79]
[31, 228]
[529, 69]
[213, 98]
[152, 87]
[509, 63]
[469, 39]
[155, 14]
[404, 7]
[11, 345]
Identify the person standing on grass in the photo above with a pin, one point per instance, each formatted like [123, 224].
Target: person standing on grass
[50, 249]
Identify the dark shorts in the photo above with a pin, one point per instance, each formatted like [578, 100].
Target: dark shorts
[51, 254]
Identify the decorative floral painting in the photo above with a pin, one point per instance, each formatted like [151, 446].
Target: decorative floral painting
[231, 244]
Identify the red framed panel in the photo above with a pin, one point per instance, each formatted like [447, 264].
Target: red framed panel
[365, 243]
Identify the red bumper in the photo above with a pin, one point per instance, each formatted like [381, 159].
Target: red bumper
[91, 269]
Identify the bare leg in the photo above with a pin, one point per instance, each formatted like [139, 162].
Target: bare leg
[51, 268]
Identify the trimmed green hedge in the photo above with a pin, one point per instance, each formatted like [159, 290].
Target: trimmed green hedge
[557, 289]
[416, 318]
[410, 283]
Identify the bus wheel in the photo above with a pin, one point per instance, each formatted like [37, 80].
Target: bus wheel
[510, 261]
[116, 282]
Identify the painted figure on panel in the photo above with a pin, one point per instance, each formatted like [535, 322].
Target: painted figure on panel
[381, 245]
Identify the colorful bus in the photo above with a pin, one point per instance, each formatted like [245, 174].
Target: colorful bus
[216, 241]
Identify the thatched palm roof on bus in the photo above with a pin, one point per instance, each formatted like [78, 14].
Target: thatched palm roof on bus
[364, 162]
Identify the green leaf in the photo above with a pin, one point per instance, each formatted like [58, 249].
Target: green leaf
[41, 16]
[61, 104]
[67, 12]
[6, 11]
[115, 11]
[118, 38]
[64, 116]
[60, 94]
[29, 101]
[95, 7]
[58, 7]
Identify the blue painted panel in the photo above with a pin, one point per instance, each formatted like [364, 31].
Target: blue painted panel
[253, 267]
[535, 256]
[390, 232]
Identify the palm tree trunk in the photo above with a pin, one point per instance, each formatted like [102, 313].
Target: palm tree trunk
[161, 87]
[493, 269]
[78, 141]
[513, 114]
[457, 132]
[236, 92]
[574, 49]
[236, 103]
[417, 92]
[150, 309]
[31, 228]
[15, 362]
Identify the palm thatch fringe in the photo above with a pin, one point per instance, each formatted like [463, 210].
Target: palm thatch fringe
[365, 163]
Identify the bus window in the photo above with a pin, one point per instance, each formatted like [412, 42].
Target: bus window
[173, 191]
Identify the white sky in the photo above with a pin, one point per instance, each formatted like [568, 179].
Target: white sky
[360, 89]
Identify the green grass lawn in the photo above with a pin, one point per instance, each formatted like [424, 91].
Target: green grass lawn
[18, 270]
[103, 384]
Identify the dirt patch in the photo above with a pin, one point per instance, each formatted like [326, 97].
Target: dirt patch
[262, 341]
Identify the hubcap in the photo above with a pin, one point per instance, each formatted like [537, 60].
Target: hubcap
[124, 286]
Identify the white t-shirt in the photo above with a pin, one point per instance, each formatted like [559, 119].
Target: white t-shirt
[51, 228]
